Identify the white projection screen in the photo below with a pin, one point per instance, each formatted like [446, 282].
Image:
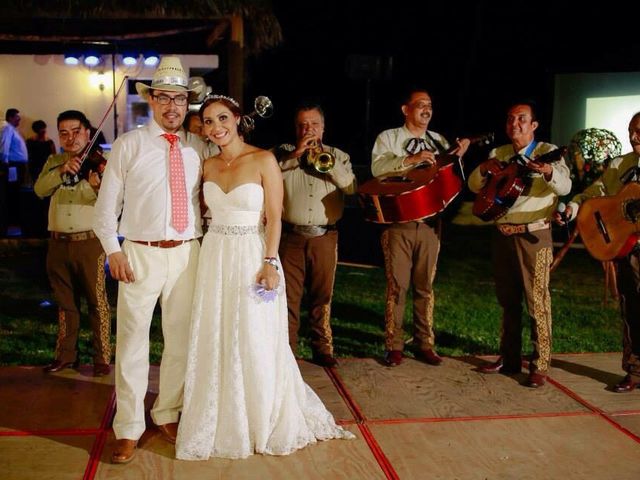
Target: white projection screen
[594, 100]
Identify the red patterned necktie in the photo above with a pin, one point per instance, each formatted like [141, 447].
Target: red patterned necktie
[179, 214]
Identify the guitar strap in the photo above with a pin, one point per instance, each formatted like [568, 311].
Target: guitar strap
[631, 175]
[524, 158]
[532, 146]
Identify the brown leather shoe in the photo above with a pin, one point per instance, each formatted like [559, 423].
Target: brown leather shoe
[536, 380]
[325, 360]
[101, 369]
[169, 431]
[429, 356]
[626, 385]
[57, 365]
[393, 358]
[124, 451]
[497, 367]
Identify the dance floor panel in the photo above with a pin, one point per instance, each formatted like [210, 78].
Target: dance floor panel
[31, 400]
[58, 457]
[583, 447]
[591, 376]
[338, 459]
[412, 421]
[454, 389]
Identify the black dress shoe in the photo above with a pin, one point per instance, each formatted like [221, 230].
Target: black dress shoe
[429, 356]
[325, 360]
[536, 380]
[57, 365]
[498, 367]
[626, 385]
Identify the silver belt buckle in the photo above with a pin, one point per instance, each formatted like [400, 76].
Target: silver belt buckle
[309, 230]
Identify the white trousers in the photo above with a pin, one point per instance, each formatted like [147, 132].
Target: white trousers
[167, 274]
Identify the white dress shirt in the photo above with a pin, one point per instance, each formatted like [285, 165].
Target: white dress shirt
[12, 146]
[135, 189]
[389, 152]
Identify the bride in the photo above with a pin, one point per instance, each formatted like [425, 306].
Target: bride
[243, 390]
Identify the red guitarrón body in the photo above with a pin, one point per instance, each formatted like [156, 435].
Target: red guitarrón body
[421, 192]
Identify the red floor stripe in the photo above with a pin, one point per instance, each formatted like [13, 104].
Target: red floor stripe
[352, 405]
[101, 439]
[379, 455]
[593, 408]
[397, 421]
[50, 432]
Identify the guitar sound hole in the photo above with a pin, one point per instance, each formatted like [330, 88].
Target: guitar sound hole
[632, 210]
[396, 179]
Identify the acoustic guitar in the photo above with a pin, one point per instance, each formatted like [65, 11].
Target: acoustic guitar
[610, 226]
[420, 192]
[503, 188]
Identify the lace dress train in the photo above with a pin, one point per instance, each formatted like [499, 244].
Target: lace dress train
[244, 393]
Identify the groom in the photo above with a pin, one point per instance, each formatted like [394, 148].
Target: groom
[152, 183]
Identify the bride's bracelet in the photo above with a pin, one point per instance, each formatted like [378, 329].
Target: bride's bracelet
[273, 261]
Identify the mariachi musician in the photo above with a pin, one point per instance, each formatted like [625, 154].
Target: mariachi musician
[522, 247]
[75, 259]
[316, 178]
[411, 248]
[622, 171]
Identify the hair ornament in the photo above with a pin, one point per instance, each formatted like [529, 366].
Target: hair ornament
[222, 97]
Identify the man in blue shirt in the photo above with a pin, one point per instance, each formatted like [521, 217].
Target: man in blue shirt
[13, 163]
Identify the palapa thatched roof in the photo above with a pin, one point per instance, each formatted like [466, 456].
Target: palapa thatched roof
[187, 26]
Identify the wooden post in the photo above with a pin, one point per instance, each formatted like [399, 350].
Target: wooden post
[236, 58]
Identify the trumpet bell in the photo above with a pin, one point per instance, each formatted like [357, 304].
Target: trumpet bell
[324, 162]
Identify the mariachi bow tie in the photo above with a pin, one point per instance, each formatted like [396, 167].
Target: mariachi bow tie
[416, 145]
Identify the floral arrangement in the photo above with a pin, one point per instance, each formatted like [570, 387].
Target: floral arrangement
[590, 151]
[262, 295]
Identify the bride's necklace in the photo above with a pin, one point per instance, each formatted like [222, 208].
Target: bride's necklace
[229, 162]
[232, 159]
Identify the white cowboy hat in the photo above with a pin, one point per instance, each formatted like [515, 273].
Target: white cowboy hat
[169, 76]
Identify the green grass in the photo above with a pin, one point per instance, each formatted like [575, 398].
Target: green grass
[467, 317]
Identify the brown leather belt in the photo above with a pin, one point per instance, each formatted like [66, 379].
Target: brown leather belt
[308, 230]
[161, 243]
[73, 237]
[508, 229]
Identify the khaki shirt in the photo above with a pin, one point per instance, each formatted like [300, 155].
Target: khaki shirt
[539, 198]
[611, 181]
[313, 198]
[71, 207]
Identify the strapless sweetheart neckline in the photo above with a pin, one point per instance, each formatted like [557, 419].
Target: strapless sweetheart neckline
[234, 188]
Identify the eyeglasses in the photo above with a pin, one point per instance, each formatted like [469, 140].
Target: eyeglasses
[179, 100]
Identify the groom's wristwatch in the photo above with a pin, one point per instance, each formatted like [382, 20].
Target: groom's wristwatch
[273, 261]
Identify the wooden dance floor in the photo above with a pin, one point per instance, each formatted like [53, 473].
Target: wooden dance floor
[412, 421]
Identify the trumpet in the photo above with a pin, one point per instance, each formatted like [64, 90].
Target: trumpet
[322, 161]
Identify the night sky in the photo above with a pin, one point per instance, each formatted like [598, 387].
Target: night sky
[473, 60]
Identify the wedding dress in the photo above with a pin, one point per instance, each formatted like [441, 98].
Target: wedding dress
[244, 393]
